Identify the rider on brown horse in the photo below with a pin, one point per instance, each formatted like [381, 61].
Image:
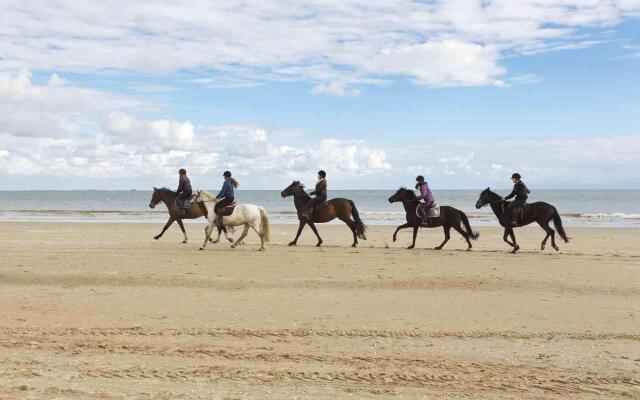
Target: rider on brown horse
[320, 193]
[225, 196]
[520, 192]
[184, 190]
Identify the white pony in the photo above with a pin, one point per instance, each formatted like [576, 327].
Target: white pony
[248, 215]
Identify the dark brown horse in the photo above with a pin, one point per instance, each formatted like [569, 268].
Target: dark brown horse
[168, 197]
[342, 209]
[539, 212]
[449, 218]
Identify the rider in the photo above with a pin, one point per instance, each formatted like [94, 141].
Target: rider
[184, 189]
[425, 192]
[320, 193]
[226, 195]
[520, 192]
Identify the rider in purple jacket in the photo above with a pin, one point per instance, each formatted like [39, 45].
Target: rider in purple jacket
[425, 192]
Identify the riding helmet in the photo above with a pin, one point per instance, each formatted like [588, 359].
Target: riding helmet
[516, 176]
[182, 171]
[322, 173]
[420, 178]
[227, 174]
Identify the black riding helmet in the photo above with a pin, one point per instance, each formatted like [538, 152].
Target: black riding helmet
[227, 174]
[322, 173]
[182, 171]
[516, 176]
[419, 180]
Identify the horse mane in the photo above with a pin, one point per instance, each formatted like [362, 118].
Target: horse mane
[205, 194]
[411, 193]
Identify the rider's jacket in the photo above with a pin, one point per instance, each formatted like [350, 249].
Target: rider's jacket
[321, 189]
[227, 190]
[184, 186]
[425, 193]
[520, 192]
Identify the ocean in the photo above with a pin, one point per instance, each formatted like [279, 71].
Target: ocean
[612, 208]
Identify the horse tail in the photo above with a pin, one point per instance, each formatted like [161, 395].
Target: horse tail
[360, 227]
[557, 222]
[465, 221]
[264, 224]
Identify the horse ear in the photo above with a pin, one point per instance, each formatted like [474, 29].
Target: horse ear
[155, 188]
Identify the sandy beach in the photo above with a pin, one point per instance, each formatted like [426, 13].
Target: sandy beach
[104, 311]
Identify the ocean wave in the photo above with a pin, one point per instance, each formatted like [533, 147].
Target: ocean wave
[617, 215]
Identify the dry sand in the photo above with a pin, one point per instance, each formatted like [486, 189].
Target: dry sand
[103, 311]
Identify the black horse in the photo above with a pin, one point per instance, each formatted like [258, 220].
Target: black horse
[168, 197]
[340, 208]
[539, 212]
[449, 218]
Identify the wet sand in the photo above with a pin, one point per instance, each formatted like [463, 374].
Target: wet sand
[104, 311]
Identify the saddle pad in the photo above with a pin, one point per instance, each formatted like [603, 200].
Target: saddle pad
[423, 211]
[187, 203]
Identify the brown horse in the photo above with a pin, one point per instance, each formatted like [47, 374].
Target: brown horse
[540, 212]
[342, 209]
[168, 197]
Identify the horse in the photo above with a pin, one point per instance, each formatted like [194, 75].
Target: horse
[539, 212]
[249, 215]
[449, 218]
[168, 197]
[340, 208]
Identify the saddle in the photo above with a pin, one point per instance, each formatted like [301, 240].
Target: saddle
[426, 212]
[185, 204]
[228, 210]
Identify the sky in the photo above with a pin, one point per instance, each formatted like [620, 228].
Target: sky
[120, 95]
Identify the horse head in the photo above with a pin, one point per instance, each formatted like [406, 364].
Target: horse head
[295, 188]
[486, 197]
[155, 198]
[402, 194]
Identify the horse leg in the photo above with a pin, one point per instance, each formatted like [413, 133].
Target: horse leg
[226, 234]
[505, 237]
[352, 226]
[167, 225]
[242, 236]
[513, 237]
[550, 233]
[257, 231]
[446, 229]
[415, 234]
[207, 234]
[184, 232]
[464, 235]
[398, 228]
[313, 228]
[303, 222]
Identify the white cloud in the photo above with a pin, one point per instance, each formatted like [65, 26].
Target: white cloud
[54, 109]
[335, 89]
[455, 42]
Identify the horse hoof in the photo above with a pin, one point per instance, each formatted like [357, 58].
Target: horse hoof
[541, 247]
[437, 248]
[410, 247]
[261, 249]
[354, 245]
[394, 240]
[292, 244]
[230, 240]
[319, 245]
[156, 237]
[184, 241]
[233, 246]
[201, 248]
[557, 248]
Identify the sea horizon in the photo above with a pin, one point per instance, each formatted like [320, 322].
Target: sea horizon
[578, 207]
